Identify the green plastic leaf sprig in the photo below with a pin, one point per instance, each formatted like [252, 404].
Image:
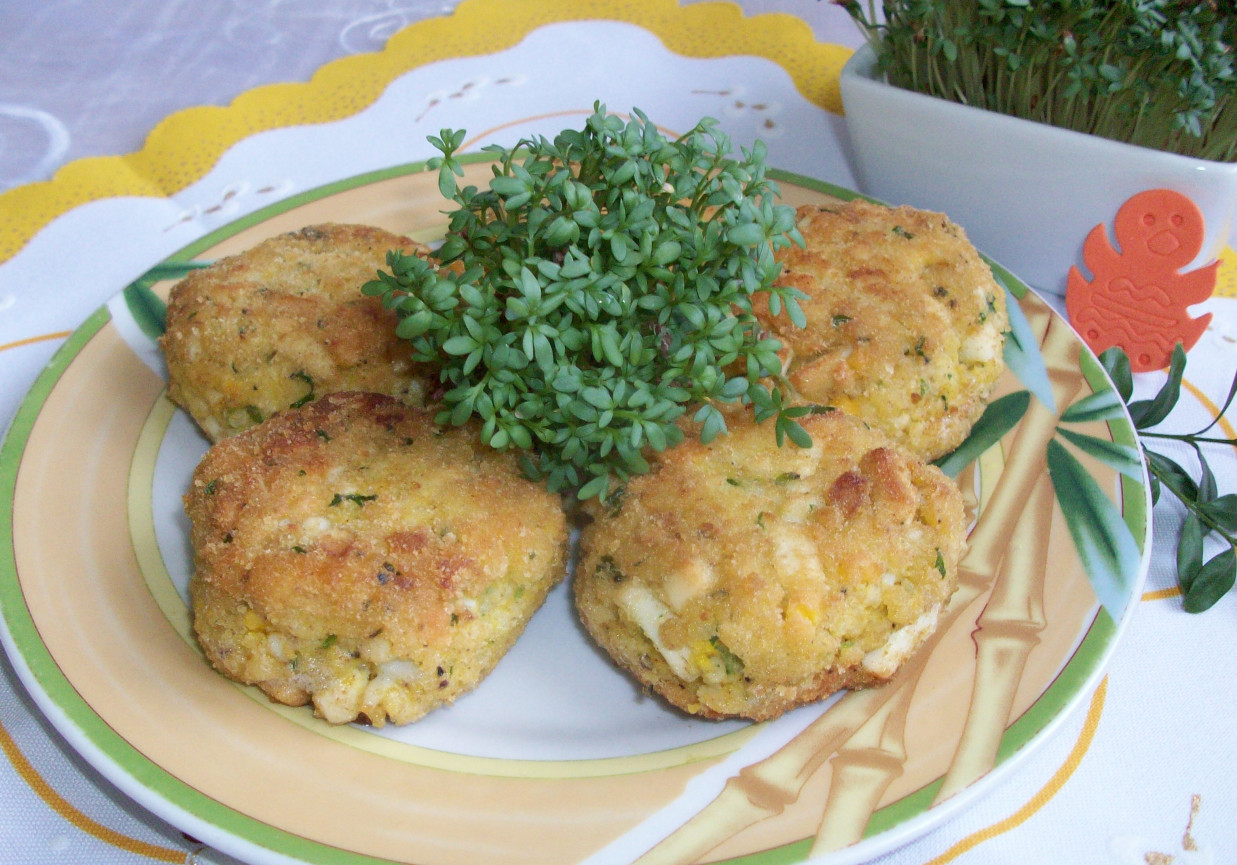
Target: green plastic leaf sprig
[1203, 581]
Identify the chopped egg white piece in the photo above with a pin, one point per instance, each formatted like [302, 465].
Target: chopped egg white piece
[884, 662]
[649, 613]
[690, 580]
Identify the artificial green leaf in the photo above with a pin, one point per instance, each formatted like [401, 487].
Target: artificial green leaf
[1117, 364]
[1172, 475]
[1189, 551]
[1150, 412]
[1222, 512]
[1213, 581]
[1228, 401]
[1207, 488]
[1001, 416]
[1106, 547]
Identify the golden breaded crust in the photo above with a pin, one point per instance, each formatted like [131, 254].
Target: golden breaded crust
[283, 322]
[905, 321]
[353, 553]
[743, 579]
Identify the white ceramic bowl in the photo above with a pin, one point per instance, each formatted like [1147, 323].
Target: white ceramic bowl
[1026, 193]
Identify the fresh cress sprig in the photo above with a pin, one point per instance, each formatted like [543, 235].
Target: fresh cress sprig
[1157, 73]
[600, 286]
[1202, 581]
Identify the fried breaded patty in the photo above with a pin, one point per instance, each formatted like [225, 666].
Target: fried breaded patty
[905, 322]
[740, 579]
[354, 554]
[284, 323]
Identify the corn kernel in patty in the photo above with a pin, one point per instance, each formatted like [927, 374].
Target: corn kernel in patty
[740, 579]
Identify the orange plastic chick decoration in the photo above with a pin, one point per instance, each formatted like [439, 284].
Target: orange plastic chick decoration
[1138, 299]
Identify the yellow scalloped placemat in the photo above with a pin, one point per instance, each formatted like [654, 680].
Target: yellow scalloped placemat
[1226, 278]
[186, 145]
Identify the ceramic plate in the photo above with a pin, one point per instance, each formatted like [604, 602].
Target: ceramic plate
[557, 757]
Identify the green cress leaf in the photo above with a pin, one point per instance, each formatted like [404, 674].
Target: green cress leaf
[606, 286]
[1155, 73]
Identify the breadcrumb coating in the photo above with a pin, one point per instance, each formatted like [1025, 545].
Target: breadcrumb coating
[283, 323]
[905, 322]
[354, 554]
[741, 579]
